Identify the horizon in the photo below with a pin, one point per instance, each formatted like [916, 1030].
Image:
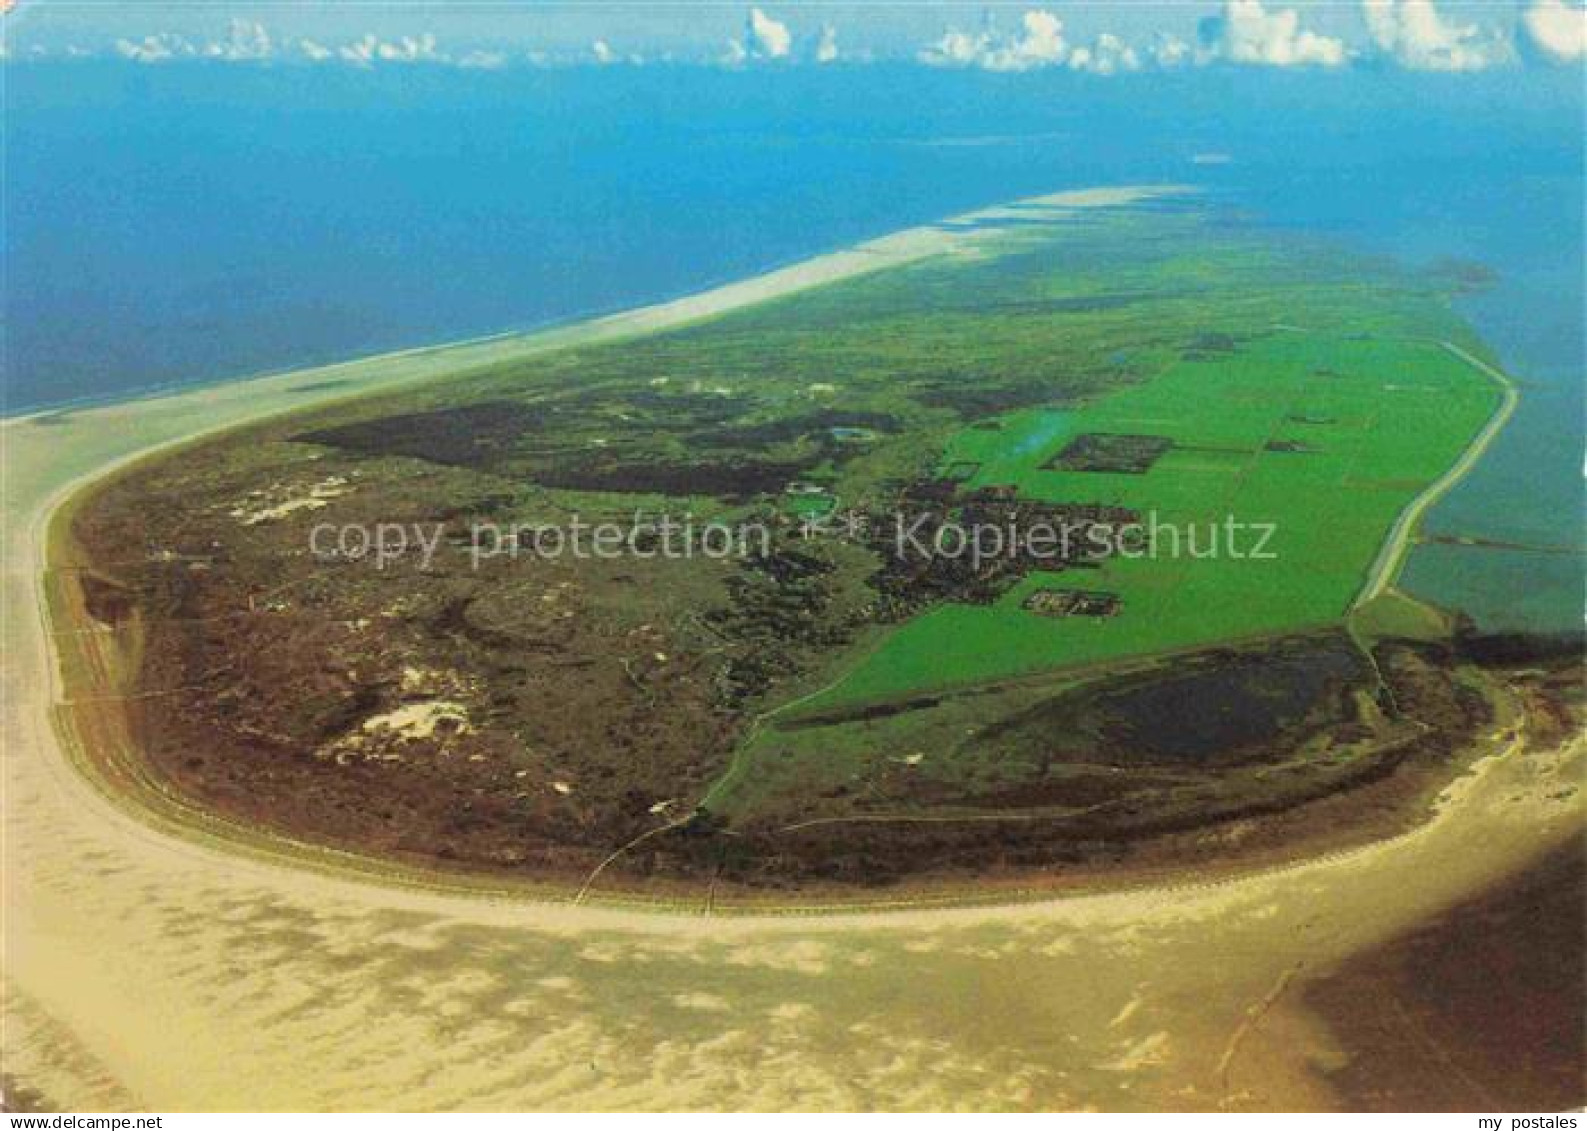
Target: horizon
[1096, 38]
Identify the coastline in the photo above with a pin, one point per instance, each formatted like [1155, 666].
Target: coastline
[106, 913]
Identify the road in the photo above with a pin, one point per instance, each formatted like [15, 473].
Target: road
[1391, 557]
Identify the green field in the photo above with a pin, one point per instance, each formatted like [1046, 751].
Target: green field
[1378, 419]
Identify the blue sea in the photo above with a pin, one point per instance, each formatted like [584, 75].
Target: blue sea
[191, 223]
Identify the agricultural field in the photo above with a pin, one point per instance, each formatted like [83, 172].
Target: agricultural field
[817, 706]
[1311, 441]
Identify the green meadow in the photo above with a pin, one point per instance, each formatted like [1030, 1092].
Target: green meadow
[1319, 437]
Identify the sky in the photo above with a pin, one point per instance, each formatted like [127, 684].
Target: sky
[1103, 38]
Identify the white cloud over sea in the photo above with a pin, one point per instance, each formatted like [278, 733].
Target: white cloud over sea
[1247, 33]
[250, 42]
[1416, 35]
[766, 38]
[1039, 42]
[827, 45]
[1557, 30]
[158, 48]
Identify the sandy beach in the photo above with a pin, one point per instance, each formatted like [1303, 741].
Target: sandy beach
[148, 969]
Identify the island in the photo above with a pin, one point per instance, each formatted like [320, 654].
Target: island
[1047, 544]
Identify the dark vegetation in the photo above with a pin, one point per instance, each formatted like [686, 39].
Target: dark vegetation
[910, 581]
[1073, 603]
[782, 609]
[475, 435]
[1130, 455]
[1217, 708]
[1090, 776]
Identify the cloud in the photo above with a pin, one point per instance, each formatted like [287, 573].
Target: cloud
[360, 54]
[1557, 30]
[1108, 55]
[766, 38]
[410, 49]
[1247, 33]
[1041, 42]
[160, 48]
[605, 55]
[249, 42]
[1038, 43]
[827, 45]
[245, 42]
[956, 49]
[1413, 34]
[369, 50]
[1168, 50]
